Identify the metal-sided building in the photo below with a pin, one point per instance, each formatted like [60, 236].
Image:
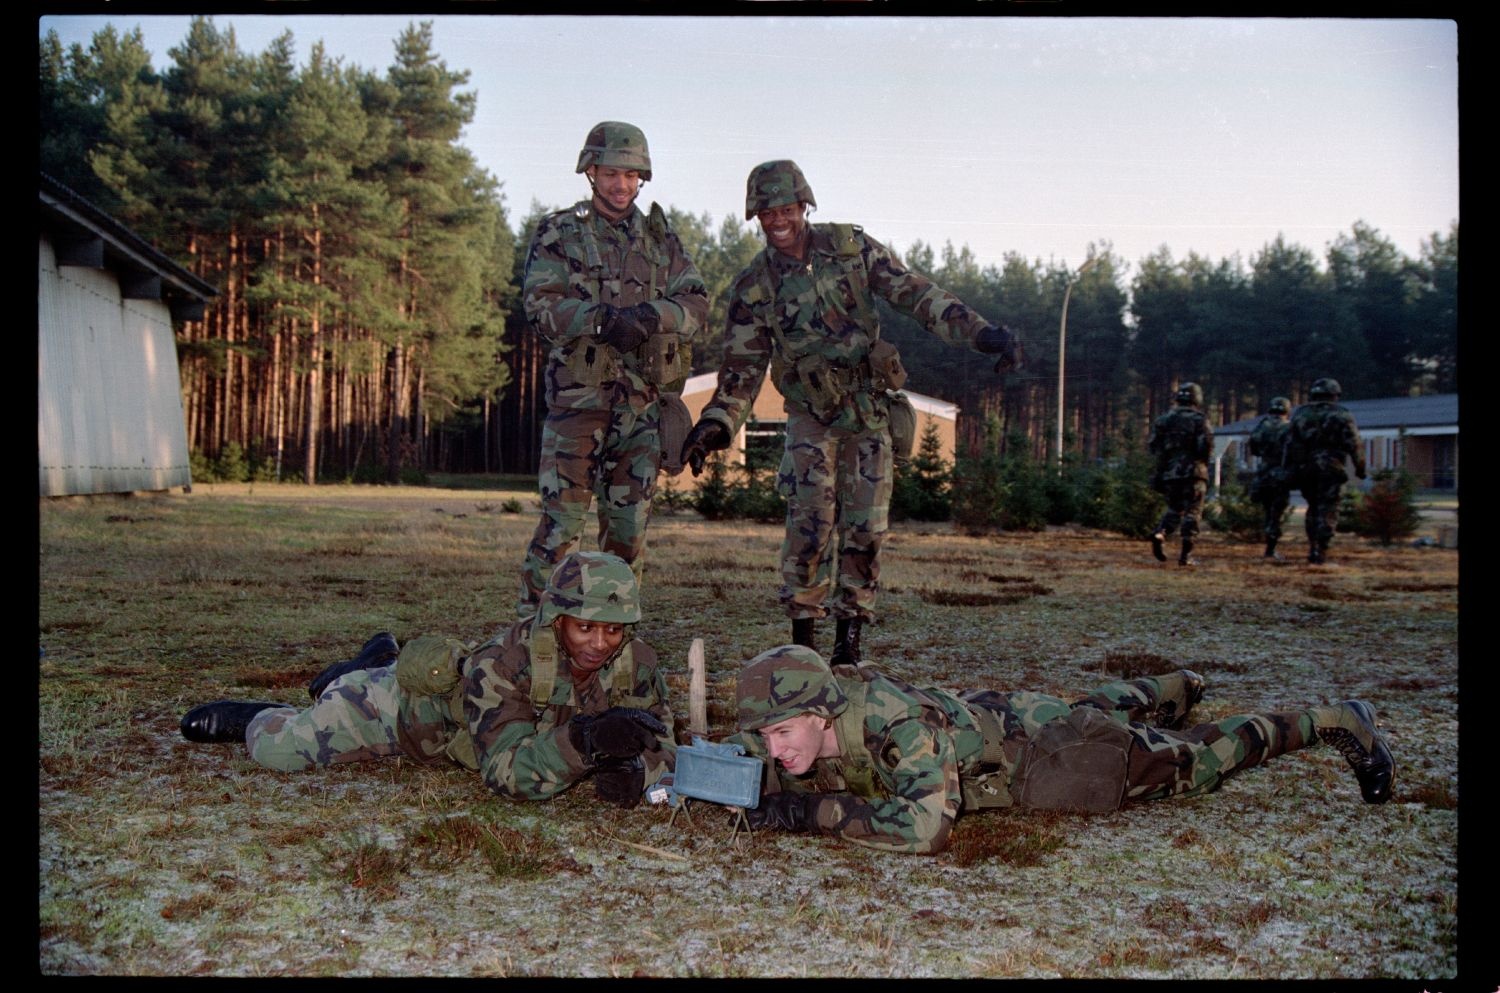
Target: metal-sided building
[109, 399]
[1418, 434]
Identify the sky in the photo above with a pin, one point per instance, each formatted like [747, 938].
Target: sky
[1042, 136]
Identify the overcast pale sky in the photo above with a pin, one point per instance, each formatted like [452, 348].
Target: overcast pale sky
[1036, 135]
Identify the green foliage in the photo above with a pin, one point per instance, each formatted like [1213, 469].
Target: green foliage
[1007, 492]
[1388, 510]
[922, 485]
[1117, 496]
[734, 491]
[1232, 512]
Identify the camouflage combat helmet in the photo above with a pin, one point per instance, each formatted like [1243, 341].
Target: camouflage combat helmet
[785, 682]
[1190, 395]
[776, 184]
[591, 586]
[1280, 405]
[618, 145]
[1325, 389]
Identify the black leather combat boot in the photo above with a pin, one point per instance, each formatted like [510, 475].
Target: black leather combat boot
[846, 647]
[1271, 549]
[802, 632]
[1167, 713]
[1157, 541]
[380, 650]
[223, 720]
[1351, 728]
[1185, 556]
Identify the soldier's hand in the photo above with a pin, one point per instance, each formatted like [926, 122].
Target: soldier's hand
[779, 812]
[1359, 472]
[706, 436]
[620, 781]
[625, 732]
[625, 328]
[997, 339]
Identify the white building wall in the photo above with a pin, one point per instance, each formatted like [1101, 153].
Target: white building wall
[109, 400]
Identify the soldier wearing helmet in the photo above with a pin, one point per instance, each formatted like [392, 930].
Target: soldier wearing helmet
[565, 694]
[618, 300]
[805, 309]
[1270, 486]
[862, 755]
[1321, 438]
[1182, 442]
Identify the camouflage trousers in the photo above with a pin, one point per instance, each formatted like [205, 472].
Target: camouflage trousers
[362, 715]
[1185, 504]
[836, 482]
[1321, 491]
[611, 454]
[1273, 500]
[1162, 763]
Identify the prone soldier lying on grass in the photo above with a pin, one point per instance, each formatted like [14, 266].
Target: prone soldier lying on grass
[868, 757]
[558, 697]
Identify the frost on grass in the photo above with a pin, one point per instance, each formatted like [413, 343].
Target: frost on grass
[157, 857]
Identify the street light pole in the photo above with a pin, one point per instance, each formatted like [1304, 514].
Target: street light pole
[1062, 339]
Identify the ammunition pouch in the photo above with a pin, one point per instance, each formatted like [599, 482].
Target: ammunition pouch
[903, 426]
[665, 362]
[886, 369]
[820, 385]
[591, 362]
[428, 665]
[1080, 762]
[676, 422]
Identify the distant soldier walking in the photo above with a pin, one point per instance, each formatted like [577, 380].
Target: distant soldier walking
[805, 308]
[1321, 436]
[1182, 442]
[617, 297]
[1271, 487]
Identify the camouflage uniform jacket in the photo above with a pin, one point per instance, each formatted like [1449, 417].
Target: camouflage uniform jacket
[1268, 444]
[789, 316]
[899, 783]
[1321, 434]
[579, 260]
[1182, 442]
[522, 749]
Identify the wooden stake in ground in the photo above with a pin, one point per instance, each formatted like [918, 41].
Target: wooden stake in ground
[697, 689]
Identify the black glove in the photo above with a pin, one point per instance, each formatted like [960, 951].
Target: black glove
[621, 781]
[1359, 472]
[706, 436]
[997, 339]
[779, 812]
[619, 732]
[625, 328]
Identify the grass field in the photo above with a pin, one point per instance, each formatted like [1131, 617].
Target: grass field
[160, 857]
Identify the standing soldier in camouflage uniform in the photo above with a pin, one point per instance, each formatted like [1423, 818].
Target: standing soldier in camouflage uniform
[1182, 442]
[1270, 487]
[805, 308]
[1321, 436]
[562, 695]
[868, 757]
[613, 292]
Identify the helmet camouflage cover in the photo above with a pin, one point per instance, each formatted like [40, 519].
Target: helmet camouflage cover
[617, 145]
[776, 184]
[1280, 405]
[783, 683]
[591, 586]
[1190, 394]
[1325, 389]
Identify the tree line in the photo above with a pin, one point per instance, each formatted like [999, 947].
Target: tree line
[369, 324]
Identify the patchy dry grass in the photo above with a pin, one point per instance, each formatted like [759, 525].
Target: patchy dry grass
[159, 857]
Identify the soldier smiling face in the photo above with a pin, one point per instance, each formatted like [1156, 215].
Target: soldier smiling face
[799, 741]
[589, 644]
[614, 190]
[785, 227]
